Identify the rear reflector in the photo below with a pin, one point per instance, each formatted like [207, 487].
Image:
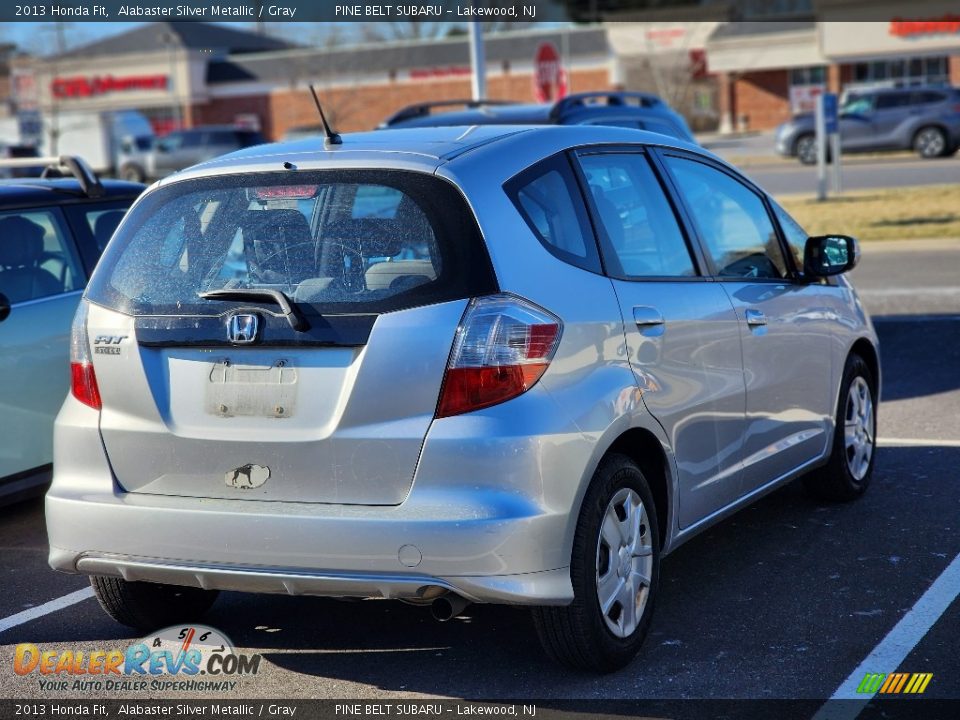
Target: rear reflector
[502, 348]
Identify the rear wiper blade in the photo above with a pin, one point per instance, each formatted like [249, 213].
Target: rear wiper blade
[290, 311]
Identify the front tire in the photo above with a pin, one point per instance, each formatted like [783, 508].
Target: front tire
[615, 568]
[849, 470]
[807, 149]
[149, 606]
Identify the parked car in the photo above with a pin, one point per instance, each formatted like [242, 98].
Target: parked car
[489, 364]
[51, 233]
[183, 148]
[638, 111]
[13, 152]
[923, 119]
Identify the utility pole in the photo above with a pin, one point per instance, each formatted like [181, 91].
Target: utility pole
[478, 62]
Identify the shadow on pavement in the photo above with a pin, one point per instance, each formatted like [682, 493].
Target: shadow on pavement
[781, 600]
[918, 358]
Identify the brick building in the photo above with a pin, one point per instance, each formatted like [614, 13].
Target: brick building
[768, 71]
[196, 73]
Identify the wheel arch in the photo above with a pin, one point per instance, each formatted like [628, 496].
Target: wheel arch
[868, 351]
[645, 449]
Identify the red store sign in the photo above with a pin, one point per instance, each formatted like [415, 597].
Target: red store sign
[946, 25]
[84, 87]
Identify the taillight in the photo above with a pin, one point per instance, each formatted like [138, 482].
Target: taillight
[503, 346]
[83, 380]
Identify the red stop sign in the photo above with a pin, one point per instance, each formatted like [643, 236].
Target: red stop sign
[549, 77]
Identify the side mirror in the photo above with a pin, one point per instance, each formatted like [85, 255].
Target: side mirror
[826, 255]
[4, 307]
[162, 147]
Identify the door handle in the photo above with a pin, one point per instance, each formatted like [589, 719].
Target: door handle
[755, 318]
[646, 316]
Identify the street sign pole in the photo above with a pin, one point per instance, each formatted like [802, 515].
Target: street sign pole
[820, 128]
[831, 123]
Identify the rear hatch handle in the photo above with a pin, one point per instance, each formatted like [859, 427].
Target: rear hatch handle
[290, 311]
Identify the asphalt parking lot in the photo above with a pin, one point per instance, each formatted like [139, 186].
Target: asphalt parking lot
[784, 600]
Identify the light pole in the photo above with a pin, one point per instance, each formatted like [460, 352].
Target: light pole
[169, 39]
[478, 62]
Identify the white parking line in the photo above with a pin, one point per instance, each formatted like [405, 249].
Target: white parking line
[48, 607]
[894, 648]
[909, 291]
[916, 442]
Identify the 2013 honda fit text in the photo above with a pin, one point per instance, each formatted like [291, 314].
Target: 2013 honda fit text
[490, 364]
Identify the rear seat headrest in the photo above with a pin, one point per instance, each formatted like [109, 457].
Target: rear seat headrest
[21, 242]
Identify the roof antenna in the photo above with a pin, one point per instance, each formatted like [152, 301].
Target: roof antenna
[332, 137]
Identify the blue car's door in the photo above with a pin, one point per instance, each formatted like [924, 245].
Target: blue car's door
[42, 279]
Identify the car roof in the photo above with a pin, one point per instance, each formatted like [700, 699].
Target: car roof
[519, 114]
[425, 149]
[38, 191]
[534, 114]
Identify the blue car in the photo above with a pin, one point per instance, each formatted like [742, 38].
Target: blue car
[52, 231]
[923, 119]
[635, 110]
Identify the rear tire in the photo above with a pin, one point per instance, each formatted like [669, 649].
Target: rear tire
[931, 142]
[616, 556]
[148, 606]
[849, 470]
[133, 173]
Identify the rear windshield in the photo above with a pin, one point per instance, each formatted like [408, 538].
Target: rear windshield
[357, 241]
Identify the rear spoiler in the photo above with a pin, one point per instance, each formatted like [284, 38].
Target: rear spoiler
[54, 164]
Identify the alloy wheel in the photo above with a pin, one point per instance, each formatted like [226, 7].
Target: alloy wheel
[859, 434]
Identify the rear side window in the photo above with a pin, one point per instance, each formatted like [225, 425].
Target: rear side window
[37, 258]
[361, 241]
[549, 199]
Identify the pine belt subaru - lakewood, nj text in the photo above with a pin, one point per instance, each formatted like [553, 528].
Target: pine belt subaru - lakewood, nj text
[500, 364]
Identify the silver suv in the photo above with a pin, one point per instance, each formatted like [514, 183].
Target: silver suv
[495, 364]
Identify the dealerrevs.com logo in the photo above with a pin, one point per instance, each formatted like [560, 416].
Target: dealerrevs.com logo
[178, 658]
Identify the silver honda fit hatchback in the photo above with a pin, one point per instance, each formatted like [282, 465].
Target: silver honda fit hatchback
[492, 364]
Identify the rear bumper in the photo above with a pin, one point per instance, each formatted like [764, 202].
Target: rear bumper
[543, 588]
[490, 516]
[301, 550]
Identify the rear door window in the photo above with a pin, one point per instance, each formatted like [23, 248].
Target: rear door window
[93, 225]
[332, 241]
[640, 233]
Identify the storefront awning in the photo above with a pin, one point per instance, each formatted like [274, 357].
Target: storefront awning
[752, 46]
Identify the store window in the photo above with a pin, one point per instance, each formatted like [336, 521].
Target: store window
[901, 72]
[805, 84]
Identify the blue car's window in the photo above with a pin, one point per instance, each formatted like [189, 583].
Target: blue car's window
[36, 258]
